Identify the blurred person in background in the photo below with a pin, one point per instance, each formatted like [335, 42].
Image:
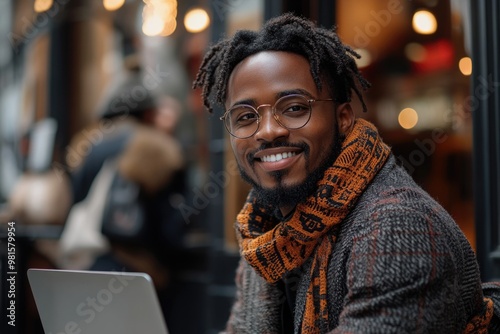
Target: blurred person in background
[140, 219]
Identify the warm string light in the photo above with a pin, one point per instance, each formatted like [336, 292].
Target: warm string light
[196, 20]
[366, 58]
[415, 52]
[465, 66]
[424, 22]
[42, 5]
[408, 118]
[113, 5]
[159, 17]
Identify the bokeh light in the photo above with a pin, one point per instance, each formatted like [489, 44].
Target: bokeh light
[415, 52]
[196, 20]
[424, 22]
[408, 118]
[465, 66]
[152, 26]
[42, 5]
[159, 17]
[366, 58]
[113, 5]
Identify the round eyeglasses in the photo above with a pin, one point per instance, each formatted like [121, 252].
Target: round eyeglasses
[290, 111]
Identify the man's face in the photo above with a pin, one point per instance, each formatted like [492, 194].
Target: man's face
[261, 79]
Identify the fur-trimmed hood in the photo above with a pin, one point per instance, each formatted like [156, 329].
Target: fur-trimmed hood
[150, 158]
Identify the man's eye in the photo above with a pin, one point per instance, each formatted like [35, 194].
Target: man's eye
[243, 117]
[294, 110]
[249, 116]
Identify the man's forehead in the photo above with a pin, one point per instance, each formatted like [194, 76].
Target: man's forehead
[294, 61]
[288, 64]
[270, 54]
[270, 63]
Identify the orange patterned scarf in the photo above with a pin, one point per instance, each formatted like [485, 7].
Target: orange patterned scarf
[274, 248]
[479, 323]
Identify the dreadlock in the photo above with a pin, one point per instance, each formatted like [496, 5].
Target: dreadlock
[327, 56]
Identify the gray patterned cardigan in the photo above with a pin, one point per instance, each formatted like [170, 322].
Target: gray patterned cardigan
[400, 265]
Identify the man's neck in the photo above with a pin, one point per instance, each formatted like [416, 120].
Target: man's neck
[286, 209]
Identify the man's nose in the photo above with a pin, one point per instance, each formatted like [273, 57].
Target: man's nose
[269, 128]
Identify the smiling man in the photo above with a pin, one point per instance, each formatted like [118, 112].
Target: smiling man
[283, 161]
[335, 237]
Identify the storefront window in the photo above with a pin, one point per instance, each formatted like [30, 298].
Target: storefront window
[414, 54]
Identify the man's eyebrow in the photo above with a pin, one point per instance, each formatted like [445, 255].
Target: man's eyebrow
[294, 91]
[252, 102]
[245, 101]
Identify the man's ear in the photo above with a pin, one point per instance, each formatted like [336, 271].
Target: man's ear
[345, 118]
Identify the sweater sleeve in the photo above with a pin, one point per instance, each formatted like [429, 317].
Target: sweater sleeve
[410, 270]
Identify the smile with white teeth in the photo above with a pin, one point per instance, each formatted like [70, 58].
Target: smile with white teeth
[277, 157]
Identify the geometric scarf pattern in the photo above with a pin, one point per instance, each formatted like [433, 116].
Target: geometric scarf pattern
[274, 247]
[479, 323]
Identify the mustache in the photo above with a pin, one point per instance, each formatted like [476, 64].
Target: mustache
[301, 145]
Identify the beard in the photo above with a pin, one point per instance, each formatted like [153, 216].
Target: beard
[291, 195]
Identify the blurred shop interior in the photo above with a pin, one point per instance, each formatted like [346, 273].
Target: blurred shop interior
[60, 59]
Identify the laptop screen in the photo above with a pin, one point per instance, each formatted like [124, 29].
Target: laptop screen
[72, 302]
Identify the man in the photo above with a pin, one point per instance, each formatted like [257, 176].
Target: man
[335, 237]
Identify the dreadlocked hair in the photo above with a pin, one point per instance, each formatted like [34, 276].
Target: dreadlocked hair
[327, 55]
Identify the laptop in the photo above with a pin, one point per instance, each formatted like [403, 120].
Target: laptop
[70, 301]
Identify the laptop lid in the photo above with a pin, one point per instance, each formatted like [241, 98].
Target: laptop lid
[70, 301]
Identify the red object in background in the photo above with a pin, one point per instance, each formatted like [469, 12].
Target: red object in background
[439, 55]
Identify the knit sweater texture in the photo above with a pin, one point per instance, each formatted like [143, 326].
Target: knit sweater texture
[400, 264]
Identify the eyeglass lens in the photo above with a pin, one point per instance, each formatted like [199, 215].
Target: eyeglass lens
[291, 111]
